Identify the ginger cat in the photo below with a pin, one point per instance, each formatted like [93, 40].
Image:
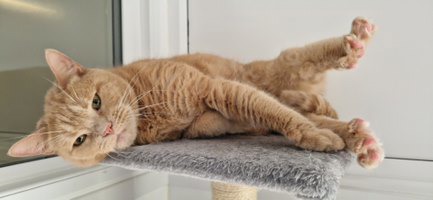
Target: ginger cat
[92, 112]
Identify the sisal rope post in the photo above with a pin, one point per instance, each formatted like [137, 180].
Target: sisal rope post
[225, 191]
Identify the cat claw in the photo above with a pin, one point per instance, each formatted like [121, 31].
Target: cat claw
[364, 144]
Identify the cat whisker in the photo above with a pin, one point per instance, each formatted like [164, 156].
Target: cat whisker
[143, 116]
[119, 111]
[49, 132]
[150, 106]
[121, 154]
[148, 112]
[75, 93]
[136, 113]
[112, 157]
[55, 139]
[62, 90]
[127, 91]
[116, 116]
[14, 138]
[129, 86]
[123, 98]
[23, 136]
[144, 94]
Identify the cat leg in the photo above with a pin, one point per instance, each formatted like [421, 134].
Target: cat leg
[305, 102]
[307, 64]
[338, 53]
[357, 136]
[245, 104]
[212, 124]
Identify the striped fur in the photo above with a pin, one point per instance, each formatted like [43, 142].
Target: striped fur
[198, 95]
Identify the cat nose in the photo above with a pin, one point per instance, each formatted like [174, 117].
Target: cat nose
[108, 130]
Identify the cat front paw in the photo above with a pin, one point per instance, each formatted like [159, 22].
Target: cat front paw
[362, 141]
[363, 29]
[321, 140]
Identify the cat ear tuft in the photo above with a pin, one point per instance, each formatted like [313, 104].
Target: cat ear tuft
[32, 145]
[63, 67]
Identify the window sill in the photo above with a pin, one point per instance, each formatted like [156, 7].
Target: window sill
[55, 175]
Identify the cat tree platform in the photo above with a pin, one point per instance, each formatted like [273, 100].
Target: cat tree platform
[238, 164]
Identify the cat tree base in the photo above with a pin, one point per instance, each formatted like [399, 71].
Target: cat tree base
[225, 191]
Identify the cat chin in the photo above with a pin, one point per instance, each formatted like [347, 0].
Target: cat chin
[124, 140]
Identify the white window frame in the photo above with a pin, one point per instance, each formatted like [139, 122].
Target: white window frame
[154, 29]
[150, 28]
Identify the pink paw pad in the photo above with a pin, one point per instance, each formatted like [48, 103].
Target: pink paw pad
[362, 28]
[371, 159]
[369, 142]
[365, 144]
[354, 49]
[357, 46]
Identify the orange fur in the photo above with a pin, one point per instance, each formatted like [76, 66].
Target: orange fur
[193, 96]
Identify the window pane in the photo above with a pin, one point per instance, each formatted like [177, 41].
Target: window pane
[82, 29]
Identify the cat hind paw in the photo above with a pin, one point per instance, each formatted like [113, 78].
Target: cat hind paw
[363, 29]
[354, 50]
[354, 43]
[364, 144]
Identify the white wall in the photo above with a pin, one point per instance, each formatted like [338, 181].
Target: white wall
[393, 87]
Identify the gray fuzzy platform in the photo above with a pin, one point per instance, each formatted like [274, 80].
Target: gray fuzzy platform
[268, 162]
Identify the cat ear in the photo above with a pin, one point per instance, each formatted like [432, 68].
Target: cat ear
[63, 67]
[32, 145]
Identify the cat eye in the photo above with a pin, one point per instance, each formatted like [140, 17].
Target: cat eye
[96, 102]
[80, 140]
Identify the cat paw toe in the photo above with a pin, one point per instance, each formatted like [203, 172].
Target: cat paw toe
[322, 140]
[371, 158]
[363, 28]
[355, 49]
[354, 43]
[364, 144]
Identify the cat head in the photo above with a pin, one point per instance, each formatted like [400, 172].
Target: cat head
[88, 113]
